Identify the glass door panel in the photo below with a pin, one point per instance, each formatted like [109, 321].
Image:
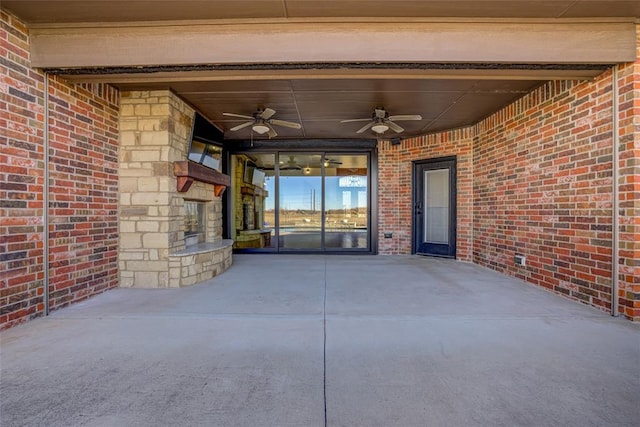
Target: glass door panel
[300, 201]
[436, 196]
[346, 201]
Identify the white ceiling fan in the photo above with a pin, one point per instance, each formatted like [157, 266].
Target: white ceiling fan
[261, 122]
[380, 121]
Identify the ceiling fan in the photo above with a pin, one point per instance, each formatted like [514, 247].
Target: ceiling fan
[261, 122]
[291, 164]
[380, 121]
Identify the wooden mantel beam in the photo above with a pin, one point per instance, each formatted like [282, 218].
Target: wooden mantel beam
[187, 172]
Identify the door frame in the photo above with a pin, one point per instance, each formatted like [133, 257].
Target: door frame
[337, 146]
[453, 193]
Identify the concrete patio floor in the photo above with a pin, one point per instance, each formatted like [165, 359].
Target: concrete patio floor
[336, 340]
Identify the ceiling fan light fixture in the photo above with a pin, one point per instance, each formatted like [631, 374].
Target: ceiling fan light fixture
[380, 128]
[260, 128]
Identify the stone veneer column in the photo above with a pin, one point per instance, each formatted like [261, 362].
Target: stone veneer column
[155, 128]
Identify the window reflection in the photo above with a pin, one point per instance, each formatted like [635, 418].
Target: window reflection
[346, 202]
[206, 154]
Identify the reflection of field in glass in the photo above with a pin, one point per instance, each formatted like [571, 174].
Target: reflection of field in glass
[307, 219]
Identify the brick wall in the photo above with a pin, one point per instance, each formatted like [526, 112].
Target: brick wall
[83, 184]
[629, 185]
[543, 189]
[21, 177]
[535, 179]
[395, 212]
[83, 166]
[558, 145]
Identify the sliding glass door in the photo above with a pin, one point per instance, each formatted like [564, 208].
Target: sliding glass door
[297, 201]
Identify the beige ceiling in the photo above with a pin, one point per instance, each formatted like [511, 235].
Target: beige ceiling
[319, 100]
[67, 11]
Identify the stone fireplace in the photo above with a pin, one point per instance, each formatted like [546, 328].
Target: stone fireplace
[153, 252]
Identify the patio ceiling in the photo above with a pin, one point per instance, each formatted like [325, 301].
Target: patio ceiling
[320, 104]
[449, 92]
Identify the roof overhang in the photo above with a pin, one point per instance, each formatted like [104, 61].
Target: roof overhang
[188, 43]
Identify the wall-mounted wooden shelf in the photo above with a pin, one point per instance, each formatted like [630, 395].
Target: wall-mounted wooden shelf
[187, 172]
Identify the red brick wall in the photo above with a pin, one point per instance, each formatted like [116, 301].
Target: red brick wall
[83, 184]
[535, 179]
[395, 188]
[21, 177]
[629, 185]
[543, 189]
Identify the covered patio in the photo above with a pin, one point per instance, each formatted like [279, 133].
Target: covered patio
[140, 151]
[312, 340]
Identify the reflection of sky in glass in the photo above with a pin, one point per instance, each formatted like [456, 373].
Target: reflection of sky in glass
[297, 192]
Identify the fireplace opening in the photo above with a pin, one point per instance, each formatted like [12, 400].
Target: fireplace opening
[194, 222]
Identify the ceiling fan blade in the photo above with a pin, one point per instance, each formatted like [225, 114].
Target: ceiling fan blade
[406, 117]
[355, 120]
[267, 113]
[394, 126]
[241, 126]
[365, 127]
[238, 115]
[285, 123]
[272, 132]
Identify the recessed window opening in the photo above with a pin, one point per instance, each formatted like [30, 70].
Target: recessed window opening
[194, 222]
